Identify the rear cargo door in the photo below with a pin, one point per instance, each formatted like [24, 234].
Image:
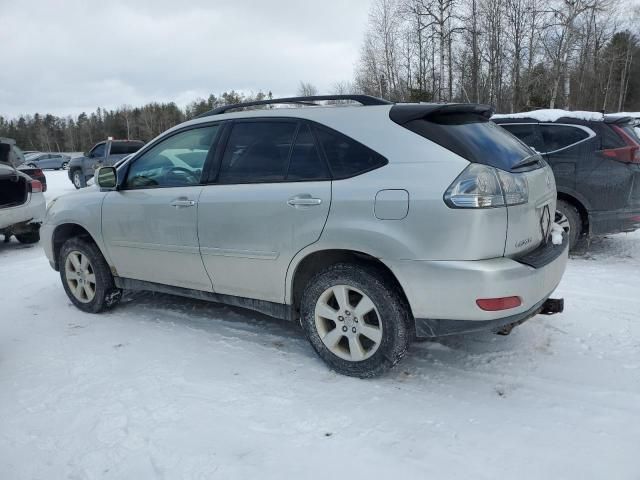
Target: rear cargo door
[530, 222]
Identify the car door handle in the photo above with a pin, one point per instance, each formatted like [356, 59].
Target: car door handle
[182, 202]
[303, 201]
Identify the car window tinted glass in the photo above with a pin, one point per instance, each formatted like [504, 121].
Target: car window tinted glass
[175, 162]
[527, 133]
[125, 148]
[472, 136]
[257, 152]
[305, 163]
[98, 151]
[556, 137]
[347, 157]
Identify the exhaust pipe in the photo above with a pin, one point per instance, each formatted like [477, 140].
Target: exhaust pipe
[551, 306]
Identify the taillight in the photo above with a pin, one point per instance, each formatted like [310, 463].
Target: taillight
[627, 154]
[481, 186]
[36, 186]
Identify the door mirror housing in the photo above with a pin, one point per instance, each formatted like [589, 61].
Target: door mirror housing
[107, 178]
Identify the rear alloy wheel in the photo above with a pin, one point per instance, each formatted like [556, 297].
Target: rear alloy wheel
[65, 165]
[77, 179]
[572, 221]
[356, 320]
[86, 277]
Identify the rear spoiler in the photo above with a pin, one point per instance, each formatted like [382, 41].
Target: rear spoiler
[404, 113]
[618, 120]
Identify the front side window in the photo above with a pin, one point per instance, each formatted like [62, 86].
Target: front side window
[257, 152]
[98, 151]
[347, 157]
[177, 161]
[557, 137]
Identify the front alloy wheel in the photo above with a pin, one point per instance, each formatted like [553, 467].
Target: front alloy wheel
[86, 277]
[80, 276]
[77, 179]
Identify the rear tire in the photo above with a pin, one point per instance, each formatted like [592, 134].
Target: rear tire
[574, 219]
[368, 336]
[28, 238]
[86, 277]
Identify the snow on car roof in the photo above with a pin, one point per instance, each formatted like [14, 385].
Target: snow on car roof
[552, 115]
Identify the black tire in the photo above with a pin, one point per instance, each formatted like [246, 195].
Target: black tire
[30, 237]
[32, 165]
[395, 318]
[574, 219]
[64, 165]
[106, 293]
[77, 178]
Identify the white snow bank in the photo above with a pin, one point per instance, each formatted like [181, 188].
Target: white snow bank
[556, 234]
[624, 114]
[551, 115]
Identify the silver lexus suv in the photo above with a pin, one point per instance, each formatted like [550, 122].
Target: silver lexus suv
[370, 224]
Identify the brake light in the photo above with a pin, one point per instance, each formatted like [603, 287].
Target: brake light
[628, 154]
[496, 304]
[36, 186]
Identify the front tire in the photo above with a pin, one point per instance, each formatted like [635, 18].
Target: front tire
[356, 320]
[86, 277]
[78, 179]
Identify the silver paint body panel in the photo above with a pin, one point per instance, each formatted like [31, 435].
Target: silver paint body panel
[248, 240]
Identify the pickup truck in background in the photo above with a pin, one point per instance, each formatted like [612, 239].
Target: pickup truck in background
[103, 154]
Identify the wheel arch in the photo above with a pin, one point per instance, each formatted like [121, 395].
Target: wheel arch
[313, 262]
[64, 232]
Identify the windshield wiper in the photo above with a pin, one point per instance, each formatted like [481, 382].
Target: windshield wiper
[527, 161]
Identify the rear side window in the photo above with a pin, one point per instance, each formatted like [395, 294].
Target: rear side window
[557, 137]
[306, 163]
[527, 133]
[257, 152]
[473, 137]
[346, 157]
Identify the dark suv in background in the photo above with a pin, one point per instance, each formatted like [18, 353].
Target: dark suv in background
[102, 154]
[596, 162]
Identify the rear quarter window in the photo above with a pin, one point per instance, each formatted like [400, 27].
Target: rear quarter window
[557, 137]
[347, 157]
[473, 137]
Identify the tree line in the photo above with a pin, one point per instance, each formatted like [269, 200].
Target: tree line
[50, 133]
[512, 54]
[515, 55]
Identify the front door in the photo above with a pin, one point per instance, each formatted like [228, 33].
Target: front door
[150, 224]
[270, 199]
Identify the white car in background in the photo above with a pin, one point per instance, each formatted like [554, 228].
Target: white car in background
[22, 205]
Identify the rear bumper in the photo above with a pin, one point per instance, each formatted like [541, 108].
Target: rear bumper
[614, 221]
[443, 294]
[24, 217]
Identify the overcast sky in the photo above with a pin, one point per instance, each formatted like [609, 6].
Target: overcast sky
[69, 56]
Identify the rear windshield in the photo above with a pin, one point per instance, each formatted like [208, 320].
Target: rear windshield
[473, 137]
[125, 148]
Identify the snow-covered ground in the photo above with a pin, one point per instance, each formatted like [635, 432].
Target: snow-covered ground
[164, 387]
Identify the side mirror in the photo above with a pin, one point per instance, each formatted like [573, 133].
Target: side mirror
[107, 178]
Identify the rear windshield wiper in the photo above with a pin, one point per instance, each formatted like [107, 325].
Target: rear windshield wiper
[527, 161]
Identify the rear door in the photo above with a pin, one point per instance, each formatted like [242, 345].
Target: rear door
[269, 197]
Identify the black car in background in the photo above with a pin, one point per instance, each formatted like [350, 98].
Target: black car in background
[596, 162]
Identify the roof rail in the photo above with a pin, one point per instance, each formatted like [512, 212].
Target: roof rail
[365, 100]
